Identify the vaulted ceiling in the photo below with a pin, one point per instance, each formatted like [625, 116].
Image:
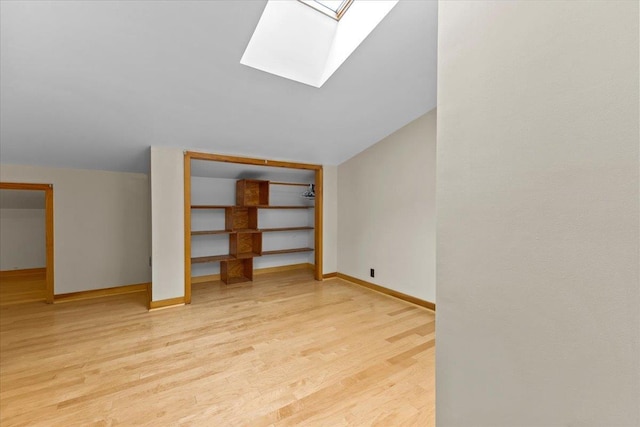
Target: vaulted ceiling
[93, 84]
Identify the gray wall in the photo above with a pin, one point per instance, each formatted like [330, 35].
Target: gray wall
[387, 212]
[538, 276]
[101, 225]
[22, 239]
[167, 223]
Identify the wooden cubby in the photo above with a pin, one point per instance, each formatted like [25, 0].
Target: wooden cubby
[236, 271]
[245, 244]
[251, 192]
[241, 218]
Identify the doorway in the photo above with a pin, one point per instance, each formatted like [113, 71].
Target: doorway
[22, 279]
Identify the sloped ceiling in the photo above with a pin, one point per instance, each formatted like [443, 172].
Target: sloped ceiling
[93, 84]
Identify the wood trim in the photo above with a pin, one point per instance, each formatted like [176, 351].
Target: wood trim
[387, 291]
[48, 203]
[330, 275]
[166, 303]
[343, 9]
[49, 247]
[97, 293]
[318, 220]
[187, 229]
[7, 274]
[250, 161]
[23, 186]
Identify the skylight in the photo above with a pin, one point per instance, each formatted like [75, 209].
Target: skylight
[293, 41]
[332, 8]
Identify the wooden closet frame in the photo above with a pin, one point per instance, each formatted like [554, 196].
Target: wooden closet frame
[193, 155]
[48, 209]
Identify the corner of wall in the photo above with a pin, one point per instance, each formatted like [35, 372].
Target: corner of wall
[167, 223]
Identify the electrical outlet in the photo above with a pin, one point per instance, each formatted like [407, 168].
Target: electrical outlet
[372, 273]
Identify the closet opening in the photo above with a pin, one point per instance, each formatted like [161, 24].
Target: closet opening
[245, 215]
[26, 215]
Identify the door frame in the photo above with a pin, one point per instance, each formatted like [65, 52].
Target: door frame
[194, 155]
[48, 208]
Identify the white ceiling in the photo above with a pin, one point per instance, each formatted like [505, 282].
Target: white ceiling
[93, 84]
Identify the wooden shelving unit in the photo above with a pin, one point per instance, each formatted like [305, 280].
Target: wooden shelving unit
[245, 238]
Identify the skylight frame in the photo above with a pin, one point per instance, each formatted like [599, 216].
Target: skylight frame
[326, 10]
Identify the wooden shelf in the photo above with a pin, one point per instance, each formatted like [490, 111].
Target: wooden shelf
[213, 258]
[204, 232]
[283, 207]
[287, 251]
[210, 206]
[269, 230]
[240, 230]
[245, 255]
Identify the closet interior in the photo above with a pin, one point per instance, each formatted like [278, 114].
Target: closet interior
[249, 217]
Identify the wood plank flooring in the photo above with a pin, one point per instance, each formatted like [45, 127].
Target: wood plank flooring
[284, 350]
[23, 287]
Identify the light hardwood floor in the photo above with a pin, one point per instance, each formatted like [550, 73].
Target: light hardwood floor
[28, 286]
[284, 350]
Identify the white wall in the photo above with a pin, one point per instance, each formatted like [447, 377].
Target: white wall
[22, 239]
[167, 223]
[386, 211]
[101, 229]
[330, 219]
[538, 278]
